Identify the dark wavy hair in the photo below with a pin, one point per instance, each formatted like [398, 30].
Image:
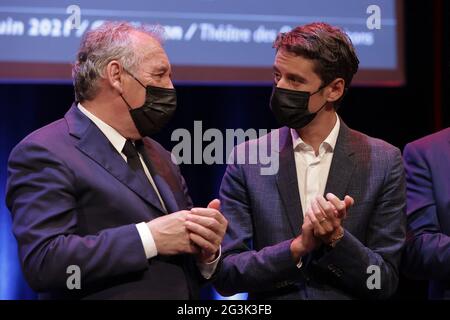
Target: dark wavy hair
[329, 47]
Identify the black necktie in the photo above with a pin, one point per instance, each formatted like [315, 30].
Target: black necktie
[133, 160]
[135, 164]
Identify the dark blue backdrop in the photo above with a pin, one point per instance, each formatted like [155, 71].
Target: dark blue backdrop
[397, 115]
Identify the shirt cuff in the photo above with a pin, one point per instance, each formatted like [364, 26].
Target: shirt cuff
[208, 269]
[299, 263]
[147, 240]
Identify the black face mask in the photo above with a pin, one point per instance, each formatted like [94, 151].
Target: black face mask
[290, 107]
[159, 106]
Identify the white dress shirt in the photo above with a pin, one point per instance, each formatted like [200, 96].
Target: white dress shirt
[312, 169]
[118, 142]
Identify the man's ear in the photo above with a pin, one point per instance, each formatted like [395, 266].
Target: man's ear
[114, 75]
[336, 89]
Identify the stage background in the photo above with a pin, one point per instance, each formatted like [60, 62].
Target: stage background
[395, 114]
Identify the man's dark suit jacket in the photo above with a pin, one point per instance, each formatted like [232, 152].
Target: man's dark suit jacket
[265, 214]
[74, 201]
[427, 254]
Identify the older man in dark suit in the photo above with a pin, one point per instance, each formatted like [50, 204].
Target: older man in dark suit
[93, 197]
[427, 254]
[330, 224]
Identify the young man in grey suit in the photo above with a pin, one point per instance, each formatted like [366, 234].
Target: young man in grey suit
[330, 224]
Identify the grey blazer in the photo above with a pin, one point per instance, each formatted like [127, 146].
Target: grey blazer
[265, 214]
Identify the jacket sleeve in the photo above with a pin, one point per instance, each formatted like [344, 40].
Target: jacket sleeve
[244, 269]
[427, 253]
[42, 197]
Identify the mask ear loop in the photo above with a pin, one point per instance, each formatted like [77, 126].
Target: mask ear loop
[337, 103]
[129, 107]
[323, 86]
[321, 107]
[134, 78]
[311, 94]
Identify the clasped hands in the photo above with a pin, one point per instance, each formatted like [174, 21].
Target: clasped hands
[198, 231]
[322, 224]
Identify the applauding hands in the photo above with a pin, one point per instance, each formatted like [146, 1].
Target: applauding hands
[322, 224]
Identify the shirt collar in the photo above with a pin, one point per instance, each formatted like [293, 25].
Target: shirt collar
[329, 142]
[116, 139]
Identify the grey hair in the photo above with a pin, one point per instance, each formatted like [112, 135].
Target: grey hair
[110, 41]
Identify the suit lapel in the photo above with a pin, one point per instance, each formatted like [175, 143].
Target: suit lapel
[162, 175]
[96, 146]
[342, 165]
[287, 182]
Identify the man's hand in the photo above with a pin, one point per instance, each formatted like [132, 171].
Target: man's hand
[207, 227]
[305, 242]
[326, 216]
[340, 205]
[170, 234]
